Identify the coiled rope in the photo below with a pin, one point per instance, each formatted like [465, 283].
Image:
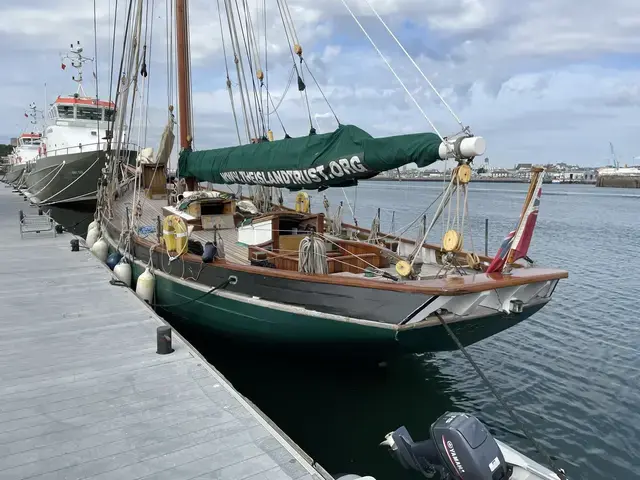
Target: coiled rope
[312, 256]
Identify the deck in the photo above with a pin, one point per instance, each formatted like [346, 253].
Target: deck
[85, 395]
[152, 209]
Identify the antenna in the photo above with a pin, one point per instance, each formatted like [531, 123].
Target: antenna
[33, 114]
[76, 60]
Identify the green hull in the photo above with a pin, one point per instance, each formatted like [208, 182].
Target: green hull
[253, 322]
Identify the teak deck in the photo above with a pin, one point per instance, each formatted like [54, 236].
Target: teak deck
[84, 394]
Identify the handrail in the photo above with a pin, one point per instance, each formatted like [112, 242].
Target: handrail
[80, 148]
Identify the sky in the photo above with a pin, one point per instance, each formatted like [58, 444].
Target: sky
[543, 81]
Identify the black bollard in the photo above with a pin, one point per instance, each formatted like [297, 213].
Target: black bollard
[59, 229]
[75, 245]
[164, 340]
[39, 211]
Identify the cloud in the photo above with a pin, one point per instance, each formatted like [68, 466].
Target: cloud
[542, 80]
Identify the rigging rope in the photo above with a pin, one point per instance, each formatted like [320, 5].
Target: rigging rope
[446, 196]
[284, 93]
[295, 48]
[228, 82]
[275, 110]
[254, 120]
[266, 63]
[95, 64]
[153, 5]
[353, 213]
[394, 72]
[237, 58]
[465, 129]
[254, 52]
[560, 472]
[113, 51]
[320, 89]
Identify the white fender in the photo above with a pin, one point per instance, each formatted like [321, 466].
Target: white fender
[100, 249]
[92, 236]
[145, 286]
[122, 272]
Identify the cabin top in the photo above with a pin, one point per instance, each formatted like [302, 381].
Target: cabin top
[81, 108]
[26, 139]
[84, 101]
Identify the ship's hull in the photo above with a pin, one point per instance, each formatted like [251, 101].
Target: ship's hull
[307, 314]
[14, 174]
[299, 328]
[66, 178]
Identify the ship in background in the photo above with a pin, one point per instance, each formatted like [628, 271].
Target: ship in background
[617, 176]
[73, 147]
[26, 149]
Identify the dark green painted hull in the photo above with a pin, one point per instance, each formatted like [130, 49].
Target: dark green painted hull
[14, 174]
[253, 322]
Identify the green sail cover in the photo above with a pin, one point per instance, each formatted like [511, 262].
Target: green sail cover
[334, 159]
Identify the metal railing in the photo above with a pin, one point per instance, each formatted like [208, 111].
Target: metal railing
[80, 148]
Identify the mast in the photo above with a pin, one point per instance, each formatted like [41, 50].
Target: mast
[77, 60]
[182, 46]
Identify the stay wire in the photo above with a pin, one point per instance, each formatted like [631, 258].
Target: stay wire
[266, 63]
[406, 89]
[292, 40]
[560, 472]
[320, 89]
[457, 119]
[113, 50]
[124, 47]
[95, 63]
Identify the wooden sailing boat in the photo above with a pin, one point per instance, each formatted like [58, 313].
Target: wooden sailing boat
[289, 276]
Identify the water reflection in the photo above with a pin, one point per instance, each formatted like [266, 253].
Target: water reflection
[75, 218]
[343, 405]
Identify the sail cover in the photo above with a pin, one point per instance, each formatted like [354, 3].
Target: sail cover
[335, 159]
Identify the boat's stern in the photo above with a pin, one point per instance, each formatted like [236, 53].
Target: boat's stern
[478, 307]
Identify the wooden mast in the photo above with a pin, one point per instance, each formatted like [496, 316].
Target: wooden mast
[184, 83]
[182, 45]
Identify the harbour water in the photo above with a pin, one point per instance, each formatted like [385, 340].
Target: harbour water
[571, 371]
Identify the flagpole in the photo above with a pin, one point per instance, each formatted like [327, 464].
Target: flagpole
[535, 176]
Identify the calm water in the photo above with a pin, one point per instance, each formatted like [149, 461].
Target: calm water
[571, 371]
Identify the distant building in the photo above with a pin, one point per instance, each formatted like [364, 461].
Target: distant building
[524, 166]
[500, 173]
[14, 142]
[578, 175]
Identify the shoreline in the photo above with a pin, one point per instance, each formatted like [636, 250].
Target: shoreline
[475, 180]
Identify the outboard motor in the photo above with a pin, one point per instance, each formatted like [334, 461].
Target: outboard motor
[460, 447]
